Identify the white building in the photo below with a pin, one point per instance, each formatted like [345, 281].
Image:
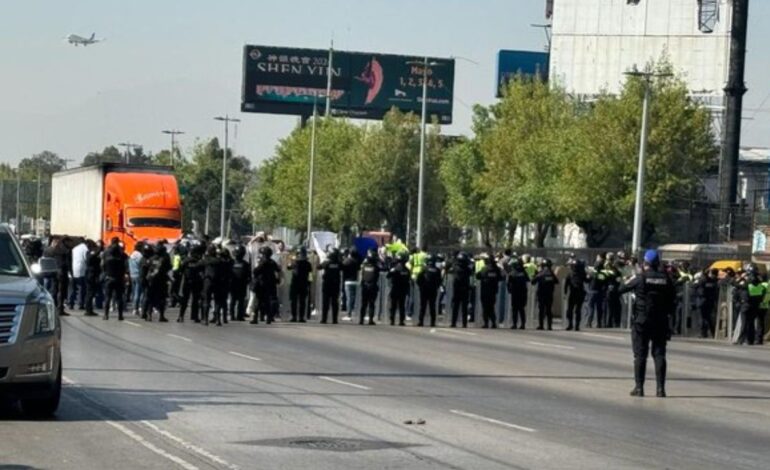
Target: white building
[595, 41]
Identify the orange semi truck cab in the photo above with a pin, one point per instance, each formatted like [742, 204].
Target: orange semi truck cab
[103, 201]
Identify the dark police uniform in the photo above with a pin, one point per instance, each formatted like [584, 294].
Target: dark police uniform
[192, 285]
[518, 280]
[299, 289]
[462, 271]
[157, 284]
[575, 289]
[429, 282]
[115, 270]
[370, 287]
[545, 282]
[400, 282]
[266, 276]
[655, 294]
[330, 288]
[489, 283]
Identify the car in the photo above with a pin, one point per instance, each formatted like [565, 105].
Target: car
[30, 332]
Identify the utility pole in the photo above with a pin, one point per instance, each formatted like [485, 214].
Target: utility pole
[639, 204]
[173, 133]
[227, 120]
[37, 204]
[734, 91]
[18, 200]
[129, 147]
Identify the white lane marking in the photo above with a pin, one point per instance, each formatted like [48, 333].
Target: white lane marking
[191, 447]
[550, 345]
[179, 337]
[492, 420]
[67, 381]
[341, 382]
[136, 437]
[457, 332]
[136, 325]
[251, 358]
[594, 335]
[717, 348]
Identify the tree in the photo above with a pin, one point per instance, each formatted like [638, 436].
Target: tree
[201, 184]
[112, 154]
[45, 162]
[599, 182]
[525, 151]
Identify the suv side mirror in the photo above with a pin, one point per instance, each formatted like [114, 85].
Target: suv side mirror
[45, 267]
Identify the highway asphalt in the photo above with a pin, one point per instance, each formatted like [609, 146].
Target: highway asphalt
[159, 396]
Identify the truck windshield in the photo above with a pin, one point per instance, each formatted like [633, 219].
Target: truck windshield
[153, 222]
[11, 261]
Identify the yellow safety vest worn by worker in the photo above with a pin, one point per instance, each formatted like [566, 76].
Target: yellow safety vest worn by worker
[765, 305]
[417, 263]
[176, 262]
[531, 269]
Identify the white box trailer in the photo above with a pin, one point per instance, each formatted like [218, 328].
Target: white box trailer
[77, 202]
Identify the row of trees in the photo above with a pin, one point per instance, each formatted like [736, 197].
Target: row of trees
[539, 157]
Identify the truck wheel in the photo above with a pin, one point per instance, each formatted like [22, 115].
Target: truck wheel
[41, 408]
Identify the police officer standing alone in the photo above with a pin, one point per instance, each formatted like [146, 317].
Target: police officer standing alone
[429, 282]
[655, 293]
[115, 271]
[370, 285]
[489, 283]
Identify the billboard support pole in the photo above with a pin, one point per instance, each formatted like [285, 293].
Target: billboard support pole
[329, 74]
[311, 177]
[421, 184]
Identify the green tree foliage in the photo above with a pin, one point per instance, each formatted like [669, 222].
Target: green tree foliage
[45, 162]
[200, 182]
[112, 154]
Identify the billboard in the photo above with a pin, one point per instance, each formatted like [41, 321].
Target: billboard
[283, 80]
[595, 41]
[526, 63]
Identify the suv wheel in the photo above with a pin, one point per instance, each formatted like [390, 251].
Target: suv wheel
[40, 408]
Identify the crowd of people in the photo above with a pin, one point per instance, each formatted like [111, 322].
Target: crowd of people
[216, 282]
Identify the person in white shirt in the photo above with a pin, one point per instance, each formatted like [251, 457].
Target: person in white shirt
[78, 284]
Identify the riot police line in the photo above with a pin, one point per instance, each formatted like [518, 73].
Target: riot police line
[216, 282]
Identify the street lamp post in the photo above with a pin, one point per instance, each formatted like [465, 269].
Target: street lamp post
[173, 133]
[129, 147]
[647, 77]
[227, 120]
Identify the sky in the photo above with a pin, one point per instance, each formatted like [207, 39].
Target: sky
[177, 64]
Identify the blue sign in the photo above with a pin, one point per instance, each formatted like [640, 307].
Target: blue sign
[524, 63]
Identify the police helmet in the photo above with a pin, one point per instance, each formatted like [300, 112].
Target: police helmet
[266, 251]
[652, 257]
[403, 257]
[371, 254]
[546, 263]
[240, 252]
[750, 268]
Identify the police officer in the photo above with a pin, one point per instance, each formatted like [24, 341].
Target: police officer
[211, 268]
[330, 286]
[299, 289]
[266, 277]
[598, 287]
[751, 292]
[613, 278]
[178, 256]
[429, 282]
[222, 286]
[575, 290]
[115, 266]
[400, 280]
[654, 292]
[93, 275]
[489, 283]
[157, 284]
[545, 282]
[370, 285]
[462, 272]
[192, 284]
[708, 291]
[517, 283]
[240, 278]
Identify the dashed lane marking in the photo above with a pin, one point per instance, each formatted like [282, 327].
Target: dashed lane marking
[595, 335]
[135, 325]
[179, 337]
[152, 447]
[550, 345]
[244, 356]
[217, 460]
[491, 420]
[342, 382]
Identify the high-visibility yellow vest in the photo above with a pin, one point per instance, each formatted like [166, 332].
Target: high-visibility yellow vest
[417, 263]
[531, 269]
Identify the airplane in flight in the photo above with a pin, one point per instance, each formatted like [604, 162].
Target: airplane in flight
[81, 41]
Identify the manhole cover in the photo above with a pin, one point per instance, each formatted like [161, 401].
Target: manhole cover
[330, 444]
